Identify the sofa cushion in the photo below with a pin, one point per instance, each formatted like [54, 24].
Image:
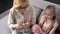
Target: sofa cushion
[58, 18]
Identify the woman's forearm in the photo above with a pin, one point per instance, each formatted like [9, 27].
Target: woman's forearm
[11, 26]
[16, 26]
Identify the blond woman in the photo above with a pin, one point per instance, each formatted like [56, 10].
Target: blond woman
[21, 17]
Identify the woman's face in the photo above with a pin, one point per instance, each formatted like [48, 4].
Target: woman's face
[23, 7]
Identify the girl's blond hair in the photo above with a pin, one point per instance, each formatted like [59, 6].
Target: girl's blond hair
[52, 12]
[52, 8]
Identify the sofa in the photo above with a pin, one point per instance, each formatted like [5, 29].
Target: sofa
[39, 12]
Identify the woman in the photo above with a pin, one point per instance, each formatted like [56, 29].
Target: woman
[21, 17]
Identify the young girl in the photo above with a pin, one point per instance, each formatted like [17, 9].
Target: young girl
[48, 22]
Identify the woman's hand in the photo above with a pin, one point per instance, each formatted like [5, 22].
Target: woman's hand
[26, 25]
[17, 26]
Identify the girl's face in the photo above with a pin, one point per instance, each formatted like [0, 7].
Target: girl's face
[49, 14]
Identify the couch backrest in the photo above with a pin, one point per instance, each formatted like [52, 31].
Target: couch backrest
[58, 17]
[38, 12]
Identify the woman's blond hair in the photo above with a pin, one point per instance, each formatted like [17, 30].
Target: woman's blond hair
[17, 3]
